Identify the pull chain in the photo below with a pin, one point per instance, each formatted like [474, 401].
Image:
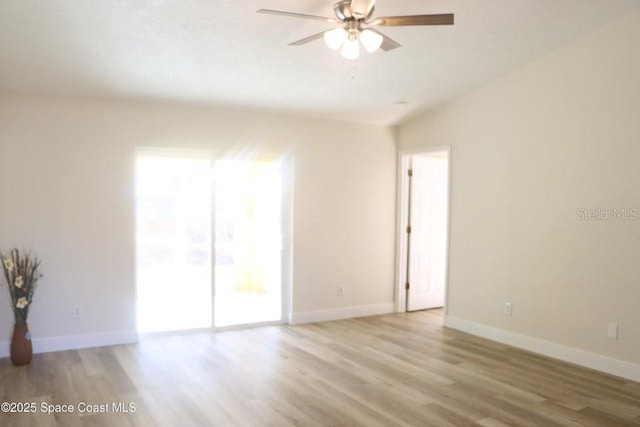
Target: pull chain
[353, 70]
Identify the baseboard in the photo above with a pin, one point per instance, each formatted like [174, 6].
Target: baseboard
[557, 351]
[74, 342]
[340, 313]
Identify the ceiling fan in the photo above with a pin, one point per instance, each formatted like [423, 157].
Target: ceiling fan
[357, 26]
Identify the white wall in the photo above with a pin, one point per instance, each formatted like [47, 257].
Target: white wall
[528, 151]
[67, 192]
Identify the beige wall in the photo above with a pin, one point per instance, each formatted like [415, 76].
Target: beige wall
[67, 191]
[528, 151]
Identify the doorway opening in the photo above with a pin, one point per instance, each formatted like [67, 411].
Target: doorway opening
[209, 241]
[423, 233]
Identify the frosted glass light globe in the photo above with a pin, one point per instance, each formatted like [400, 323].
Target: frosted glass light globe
[371, 40]
[335, 38]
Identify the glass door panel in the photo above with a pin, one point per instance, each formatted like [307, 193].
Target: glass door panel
[248, 242]
[173, 236]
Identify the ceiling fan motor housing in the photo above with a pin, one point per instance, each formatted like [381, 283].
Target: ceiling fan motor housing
[345, 10]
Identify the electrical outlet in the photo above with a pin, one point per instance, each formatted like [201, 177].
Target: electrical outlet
[612, 331]
[340, 290]
[508, 309]
[77, 311]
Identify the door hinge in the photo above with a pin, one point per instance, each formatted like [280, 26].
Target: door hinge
[410, 172]
[408, 229]
[406, 286]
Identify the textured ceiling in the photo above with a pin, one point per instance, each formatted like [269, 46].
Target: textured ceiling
[222, 53]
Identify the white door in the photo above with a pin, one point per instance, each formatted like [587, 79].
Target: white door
[428, 238]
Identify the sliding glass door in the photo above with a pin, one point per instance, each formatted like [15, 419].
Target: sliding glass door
[209, 242]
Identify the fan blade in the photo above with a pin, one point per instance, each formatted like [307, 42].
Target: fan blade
[361, 9]
[387, 43]
[307, 39]
[398, 21]
[296, 15]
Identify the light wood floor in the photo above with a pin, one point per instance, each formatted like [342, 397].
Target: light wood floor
[392, 370]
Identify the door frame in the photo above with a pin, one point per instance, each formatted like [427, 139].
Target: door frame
[403, 159]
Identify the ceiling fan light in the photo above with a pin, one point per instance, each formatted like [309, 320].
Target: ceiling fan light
[334, 39]
[371, 40]
[351, 49]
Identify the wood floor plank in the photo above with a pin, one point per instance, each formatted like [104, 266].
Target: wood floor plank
[393, 370]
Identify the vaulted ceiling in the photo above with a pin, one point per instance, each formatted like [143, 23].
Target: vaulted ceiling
[222, 53]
